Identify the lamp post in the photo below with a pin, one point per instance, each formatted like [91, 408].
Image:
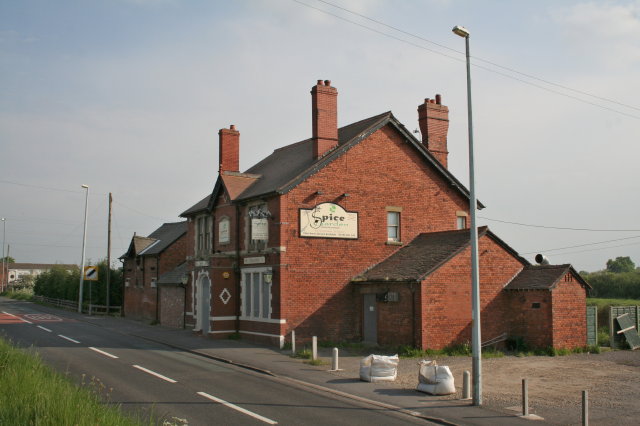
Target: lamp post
[4, 260]
[475, 277]
[84, 242]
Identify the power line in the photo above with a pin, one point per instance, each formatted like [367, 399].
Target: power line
[475, 58]
[141, 213]
[599, 249]
[582, 245]
[480, 59]
[558, 227]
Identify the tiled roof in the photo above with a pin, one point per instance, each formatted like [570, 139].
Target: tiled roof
[542, 277]
[197, 207]
[164, 236]
[426, 253]
[174, 276]
[237, 183]
[286, 167]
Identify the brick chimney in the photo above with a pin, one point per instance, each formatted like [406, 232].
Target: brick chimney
[324, 115]
[433, 118]
[229, 150]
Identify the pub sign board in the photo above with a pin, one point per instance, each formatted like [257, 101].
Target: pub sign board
[328, 220]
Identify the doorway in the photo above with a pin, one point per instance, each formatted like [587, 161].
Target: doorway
[204, 307]
[370, 319]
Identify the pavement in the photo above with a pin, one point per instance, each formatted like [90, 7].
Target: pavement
[345, 383]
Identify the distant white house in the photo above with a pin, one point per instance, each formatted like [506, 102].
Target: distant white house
[15, 271]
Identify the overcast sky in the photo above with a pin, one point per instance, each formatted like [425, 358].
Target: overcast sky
[128, 96]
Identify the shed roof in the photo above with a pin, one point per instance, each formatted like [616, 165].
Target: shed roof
[425, 254]
[174, 276]
[542, 277]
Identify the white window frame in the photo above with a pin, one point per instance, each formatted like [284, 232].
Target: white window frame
[461, 220]
[248, 290]
[397, 213]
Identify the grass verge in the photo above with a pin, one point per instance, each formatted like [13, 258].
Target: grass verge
[35, 394]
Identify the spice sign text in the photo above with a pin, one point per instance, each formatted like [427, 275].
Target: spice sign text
[328, 220]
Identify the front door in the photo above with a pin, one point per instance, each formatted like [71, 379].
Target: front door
[370, 319]
[204, 306]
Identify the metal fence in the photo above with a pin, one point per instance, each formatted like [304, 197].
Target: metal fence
[73, 305]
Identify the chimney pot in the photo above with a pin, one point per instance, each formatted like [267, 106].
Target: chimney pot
[433, 118]
[229, 150]
[324, 117]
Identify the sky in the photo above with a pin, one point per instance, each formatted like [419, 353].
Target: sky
[127, 97]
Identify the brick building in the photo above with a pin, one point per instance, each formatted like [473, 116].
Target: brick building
[360, 233]
[146, 261]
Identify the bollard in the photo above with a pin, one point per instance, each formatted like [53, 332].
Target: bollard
[525, 398]
[314, 348]
[585, 408]
[293, 342]
[466, 385]
[334, 360]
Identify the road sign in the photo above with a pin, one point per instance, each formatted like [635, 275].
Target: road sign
[91, 273]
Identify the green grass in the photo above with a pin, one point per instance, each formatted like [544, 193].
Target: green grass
[605, 303]
[23, 294]
[35, 394]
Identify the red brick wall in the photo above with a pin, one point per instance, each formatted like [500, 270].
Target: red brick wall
[569, 307]
[171, 306]
[324, 117]
[229, 149]
[397, 323]
[140, 298]
[381, 171]
[532, 324]
[446, 297]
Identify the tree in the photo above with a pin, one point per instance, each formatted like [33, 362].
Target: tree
[7, 259]
[620, 265]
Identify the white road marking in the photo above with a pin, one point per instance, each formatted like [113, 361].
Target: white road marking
[44, 328]
[103, 352]
[153, 373]
[68, 338]
[7, 313]
[235, 407]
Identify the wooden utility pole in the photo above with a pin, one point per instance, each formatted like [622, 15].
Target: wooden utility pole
[109, 252]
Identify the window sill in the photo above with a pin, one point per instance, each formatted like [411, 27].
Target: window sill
[394, 243]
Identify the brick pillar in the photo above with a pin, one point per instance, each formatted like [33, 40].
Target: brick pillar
[434, 126]
[324, 115]
[229, 150]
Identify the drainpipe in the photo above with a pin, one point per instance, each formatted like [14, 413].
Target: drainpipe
[122, 288]
[413, 314]
[237, 273]
[157, 289]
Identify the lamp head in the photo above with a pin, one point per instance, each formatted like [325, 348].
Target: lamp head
[85, 186]
[461, 31]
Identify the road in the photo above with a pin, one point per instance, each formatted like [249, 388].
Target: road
[153, 379]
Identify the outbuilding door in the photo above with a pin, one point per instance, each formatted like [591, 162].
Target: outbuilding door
[370, 319]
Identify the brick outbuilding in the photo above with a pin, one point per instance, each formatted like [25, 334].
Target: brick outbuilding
[144, 262]
[356, 225]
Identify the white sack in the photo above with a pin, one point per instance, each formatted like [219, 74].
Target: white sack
[379, 368]
[435, 379]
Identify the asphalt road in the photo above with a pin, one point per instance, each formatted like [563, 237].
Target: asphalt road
[153, 379]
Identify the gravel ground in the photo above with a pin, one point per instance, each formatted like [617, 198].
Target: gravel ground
[555, 384]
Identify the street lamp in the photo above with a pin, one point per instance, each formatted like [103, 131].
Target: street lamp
[84, 242]
[4, 260]
[475, 280]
